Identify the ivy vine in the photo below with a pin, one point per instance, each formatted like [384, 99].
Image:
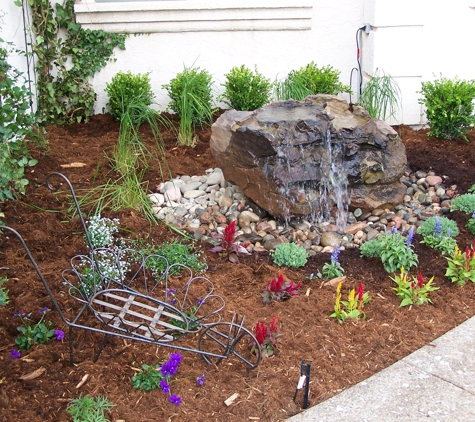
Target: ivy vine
[63, 67]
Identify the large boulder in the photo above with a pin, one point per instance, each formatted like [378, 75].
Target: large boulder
[302, 158]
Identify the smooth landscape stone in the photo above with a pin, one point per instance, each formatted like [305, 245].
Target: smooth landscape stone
[434, 180]
[330, 239]
[173, 193]
[193, 194]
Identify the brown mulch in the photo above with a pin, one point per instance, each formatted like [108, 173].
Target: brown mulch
[341, 354]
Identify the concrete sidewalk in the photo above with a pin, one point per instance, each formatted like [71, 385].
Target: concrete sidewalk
[436, 382]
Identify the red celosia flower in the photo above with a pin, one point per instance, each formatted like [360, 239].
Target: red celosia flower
[360, 292]
[261, 332]
[277, 283]
[420, 281]
[292, 289]
[229, 232]
[273, 325]
[413, 285]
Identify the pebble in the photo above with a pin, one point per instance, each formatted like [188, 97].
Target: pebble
[203, 205]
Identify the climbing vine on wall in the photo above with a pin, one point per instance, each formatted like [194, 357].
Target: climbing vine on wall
[67, 55]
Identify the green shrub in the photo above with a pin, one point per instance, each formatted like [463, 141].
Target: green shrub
[192, 100]
[310, 80]
[290, 255]
[446, 227]
[465, 203]
[380, 96]
[449, 104]
[16, 122]
[245, 89]
[126, 89]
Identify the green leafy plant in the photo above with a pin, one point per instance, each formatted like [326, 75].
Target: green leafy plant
[3, 292]
[229, 247]
[461, 266]
[126, 89]
[279, 289]
[35, 333]
[245, 89]
[192, 100]
[353, 307]
[437, 232]
[394, 250]
[175, 252]
[310, 80]
[333, 268]
[151, 377]
[89, 409]
[67, 55]
[16, 123]
[449, 104]
[413, 292]
[267, 337]
[381, 96]
[465, 203]
[290, 255]
[440, 225]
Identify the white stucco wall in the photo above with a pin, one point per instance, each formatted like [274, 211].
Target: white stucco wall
[11, 30]
[274, 52]
[413, 40]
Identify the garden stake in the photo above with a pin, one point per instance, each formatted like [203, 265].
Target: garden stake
[304, 380]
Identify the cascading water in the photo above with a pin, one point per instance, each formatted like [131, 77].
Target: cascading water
[333, 186]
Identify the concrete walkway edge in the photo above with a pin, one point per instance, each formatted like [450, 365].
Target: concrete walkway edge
[436, 382]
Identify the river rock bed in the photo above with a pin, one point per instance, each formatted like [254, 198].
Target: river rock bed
[203, 205]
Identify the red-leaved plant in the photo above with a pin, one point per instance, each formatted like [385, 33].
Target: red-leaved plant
[267, 338]
[229, 248]
[279, 289]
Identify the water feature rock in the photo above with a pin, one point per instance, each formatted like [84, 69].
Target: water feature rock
[283, 155]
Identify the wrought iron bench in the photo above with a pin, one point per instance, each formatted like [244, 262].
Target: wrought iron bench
[133, 301]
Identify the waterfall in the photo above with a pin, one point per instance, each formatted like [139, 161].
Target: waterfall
[333, 187]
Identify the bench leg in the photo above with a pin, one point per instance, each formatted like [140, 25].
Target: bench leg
[104, 342]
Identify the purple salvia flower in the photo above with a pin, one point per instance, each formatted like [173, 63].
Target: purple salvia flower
[165, 386]
[176, 357]
[410, 236]
[18, 314]
[449, 232]
[335, 253]
[394, 229]
[473, 215]
[201, 380]
[438, 227]
[175, 400]
[15, 354]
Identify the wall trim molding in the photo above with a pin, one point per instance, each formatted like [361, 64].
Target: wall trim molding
[194, 15]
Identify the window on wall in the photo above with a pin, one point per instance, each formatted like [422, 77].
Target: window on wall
[135, 16]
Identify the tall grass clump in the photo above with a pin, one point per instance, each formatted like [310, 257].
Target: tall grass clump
[191, 98]
[126, 89]
[310, 80]
[246, 89]
[130, 159]
[449, 106]
[381, 96]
